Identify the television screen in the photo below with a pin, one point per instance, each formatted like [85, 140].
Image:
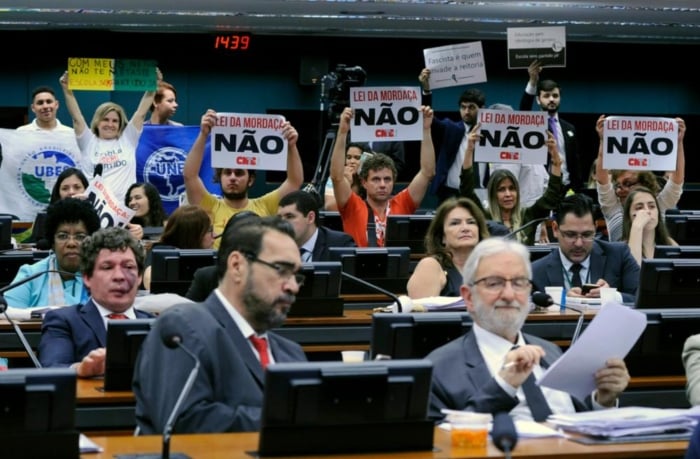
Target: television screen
[331, 219]
[320, 293]
[386, 267]
[335, 407]
[124, 339]
[540, 250]
[677, 251]
[669, 283]
[684, 228]
[37, 413]
[407, 230]
[172, 270]
[413, 336]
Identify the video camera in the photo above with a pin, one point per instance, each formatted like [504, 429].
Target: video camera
[335, 88]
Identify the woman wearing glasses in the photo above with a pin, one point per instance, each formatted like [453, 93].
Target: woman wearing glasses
[642, 226]
[457, 227]
[612, 194]
[68, 222]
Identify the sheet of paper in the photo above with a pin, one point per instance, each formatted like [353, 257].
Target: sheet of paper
[525, 429]
[611, 334]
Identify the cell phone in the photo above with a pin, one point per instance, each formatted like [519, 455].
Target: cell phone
[585, 288]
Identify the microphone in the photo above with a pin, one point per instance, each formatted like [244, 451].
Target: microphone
[98, 170]
[18, 331]
[544, 300]
[173, 340]
[525, 226]
[374, 288]
[503, 433]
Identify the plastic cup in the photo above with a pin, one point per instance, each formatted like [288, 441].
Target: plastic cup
[555, 293]
[469, 430]
[353, 356]
[607, 294]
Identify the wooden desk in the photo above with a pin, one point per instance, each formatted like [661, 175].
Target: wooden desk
[241, 445]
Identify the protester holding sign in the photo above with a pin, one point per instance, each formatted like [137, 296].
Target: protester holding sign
[70, 183]
[236, 182]
[642, 225]
[612, 196]
[111, 139]
[504, 191]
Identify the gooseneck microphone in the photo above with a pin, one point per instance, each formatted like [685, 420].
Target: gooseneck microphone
[503, 433]
[18, 331]
[375, 288]
[544, 300]
[525, 226]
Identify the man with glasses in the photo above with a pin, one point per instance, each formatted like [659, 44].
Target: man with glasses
[68, 222]
[582, 259]
[230, 333]
[492, 368]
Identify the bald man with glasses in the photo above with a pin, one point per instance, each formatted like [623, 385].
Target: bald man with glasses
[583, 259]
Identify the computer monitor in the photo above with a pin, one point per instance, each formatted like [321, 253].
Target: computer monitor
[12, 260]
[331, 219]
[124, 339]
[669, 283]
[386, 267]
[37, 413]
[677, 251]
[540, 250]
[684, 228]
[407, 230]
[336, 407]
[172, 270]
[413, 336]
[320, 293]
[5, 232]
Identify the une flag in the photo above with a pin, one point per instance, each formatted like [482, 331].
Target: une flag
[30, 163]
[160, 159]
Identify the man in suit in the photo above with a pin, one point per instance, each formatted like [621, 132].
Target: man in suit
[488, 369]
[301, 209]
[547, 94]
[258, 267]
[450, 138]
[606, 264]
[112, 264]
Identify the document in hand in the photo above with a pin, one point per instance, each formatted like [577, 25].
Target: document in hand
[602, 339]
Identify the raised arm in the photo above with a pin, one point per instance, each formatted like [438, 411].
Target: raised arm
[601, 175]
[295, 170]
[193, 183]
[79, 124]
[419, 185]
[139, 115]
[341, 188]
[466, 178]
[678, 175]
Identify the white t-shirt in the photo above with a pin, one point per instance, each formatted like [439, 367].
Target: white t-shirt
[33, 126]
[118, 157]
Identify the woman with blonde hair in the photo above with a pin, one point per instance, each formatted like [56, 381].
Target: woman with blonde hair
[457, 227]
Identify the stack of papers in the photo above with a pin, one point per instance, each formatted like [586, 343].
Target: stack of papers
[628, 421]
[583, 302]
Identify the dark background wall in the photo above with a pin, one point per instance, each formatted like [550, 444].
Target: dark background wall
[600, 78]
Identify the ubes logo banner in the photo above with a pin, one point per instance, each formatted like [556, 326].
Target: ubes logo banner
[29, 166]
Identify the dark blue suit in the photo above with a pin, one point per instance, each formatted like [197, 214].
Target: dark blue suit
[611, 261]
[227, 395]
[68, 334]
[330, 238]
[462, 380]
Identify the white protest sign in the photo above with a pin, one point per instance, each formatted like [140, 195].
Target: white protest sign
[512, 137]
[546, 44]
[455, 65]
[112, 212]
[640, 143]
[386, 113]
[249, 141]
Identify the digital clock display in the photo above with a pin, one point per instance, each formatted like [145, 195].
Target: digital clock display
[233, 41]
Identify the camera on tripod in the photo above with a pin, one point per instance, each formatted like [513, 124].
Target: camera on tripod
[335, 88]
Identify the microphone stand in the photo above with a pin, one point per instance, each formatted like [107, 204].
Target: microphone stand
[527, 225]
[376, 288]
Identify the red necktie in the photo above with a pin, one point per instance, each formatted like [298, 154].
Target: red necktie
[260, 345]
[117, 316]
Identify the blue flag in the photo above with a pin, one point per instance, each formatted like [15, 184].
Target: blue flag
[160, 159]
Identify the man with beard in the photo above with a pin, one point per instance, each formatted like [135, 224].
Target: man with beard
[488, 369]
[583, 259]
[258, 269]
[547, 94]
[236, 182]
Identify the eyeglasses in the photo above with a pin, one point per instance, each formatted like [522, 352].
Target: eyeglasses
[625, 185]
[63, 237]
[284, 270]
[496, 284]
[572, 236]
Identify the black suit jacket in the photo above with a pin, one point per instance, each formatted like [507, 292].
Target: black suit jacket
[330, 238]
[577, 166]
